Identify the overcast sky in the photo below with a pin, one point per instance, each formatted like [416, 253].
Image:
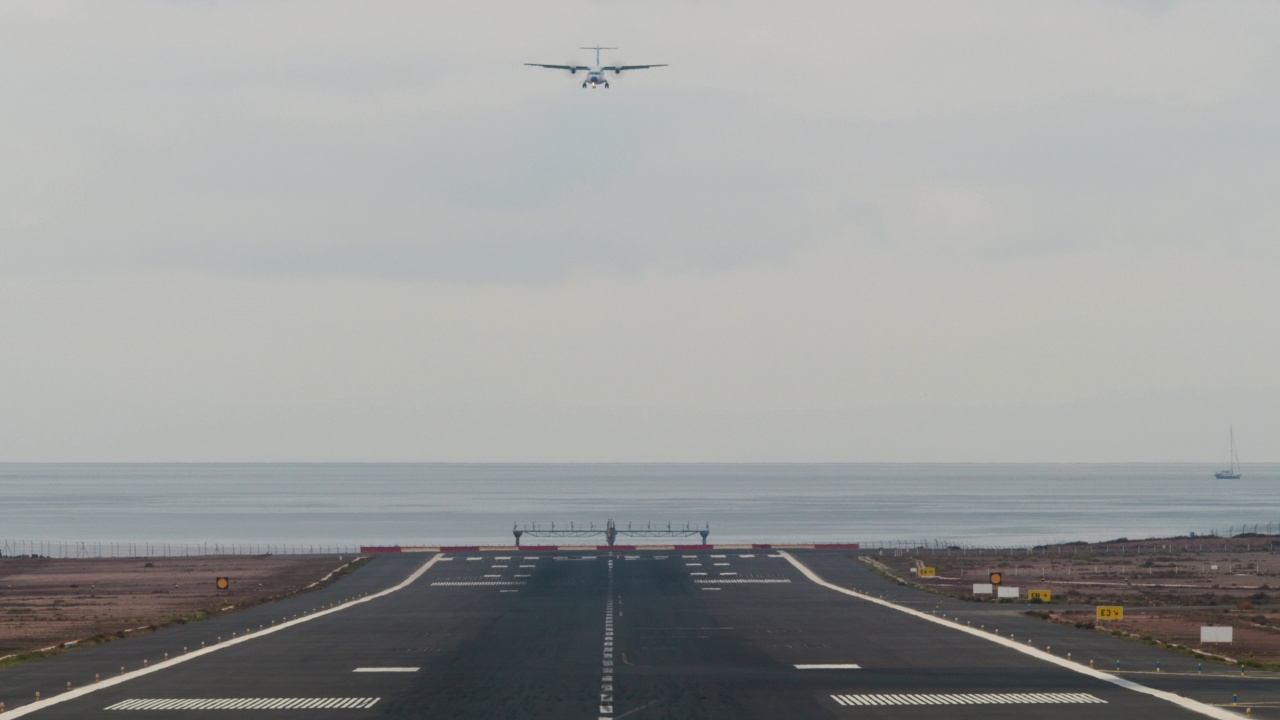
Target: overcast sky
[829, 231]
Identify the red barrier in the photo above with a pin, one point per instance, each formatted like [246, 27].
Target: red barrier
[695, 547]
[835, 546]
[379, 548]
[460, 548]
[615, 547]
[761, 546]
[538, 548]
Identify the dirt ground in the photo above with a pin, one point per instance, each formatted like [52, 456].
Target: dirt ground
[1169, 587]
[46, 603]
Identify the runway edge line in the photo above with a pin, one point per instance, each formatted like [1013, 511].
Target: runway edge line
[120, 679]
[1184, 702]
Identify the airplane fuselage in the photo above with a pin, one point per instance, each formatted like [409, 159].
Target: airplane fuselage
[595, 79]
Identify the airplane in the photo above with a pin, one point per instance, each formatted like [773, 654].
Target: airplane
[595, 74]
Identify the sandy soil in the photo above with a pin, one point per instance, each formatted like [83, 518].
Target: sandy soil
[1191, 581]
[45, 603]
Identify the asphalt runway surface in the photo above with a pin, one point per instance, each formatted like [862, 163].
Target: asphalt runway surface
[638, 635]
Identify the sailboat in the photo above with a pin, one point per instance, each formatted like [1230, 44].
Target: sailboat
[1232, 473]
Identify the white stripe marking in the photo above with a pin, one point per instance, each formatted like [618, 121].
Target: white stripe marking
[846, 666]
[386, 669]
[111, 682]
[968, 699]
[1189, 704]
[472, 583]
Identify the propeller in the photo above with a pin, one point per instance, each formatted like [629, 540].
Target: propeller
[572, 63]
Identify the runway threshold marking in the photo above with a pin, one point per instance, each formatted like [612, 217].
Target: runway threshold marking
[1186, 703]
[386, 669]
[472, 583]
[969, 699]
[245, 704]
[164, 665]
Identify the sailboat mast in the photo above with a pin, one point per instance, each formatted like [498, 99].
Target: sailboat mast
[1235, 457]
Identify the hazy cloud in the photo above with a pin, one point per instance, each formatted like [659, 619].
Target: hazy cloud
[836, 231]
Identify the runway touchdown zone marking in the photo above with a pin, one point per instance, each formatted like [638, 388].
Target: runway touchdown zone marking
[742, 581]
[245, 704]
[969, 699]
[474, 583]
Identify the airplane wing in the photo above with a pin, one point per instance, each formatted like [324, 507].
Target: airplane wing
[570, 68]
[620, 68]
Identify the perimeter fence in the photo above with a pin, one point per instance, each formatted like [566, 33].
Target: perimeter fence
[116, 549]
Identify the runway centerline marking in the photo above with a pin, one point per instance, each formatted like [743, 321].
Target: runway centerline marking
[166, 664]
[837, 666]
[386, 669]
[1187, 703]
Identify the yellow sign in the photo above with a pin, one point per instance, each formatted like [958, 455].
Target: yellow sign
[1038, 596]
[222, 583]
[927, 572]
[996, 578]
[1110, 612]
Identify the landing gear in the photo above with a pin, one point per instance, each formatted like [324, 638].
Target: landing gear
[606, 84]
[584, 86]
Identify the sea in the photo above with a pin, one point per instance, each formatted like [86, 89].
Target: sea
[255, 506]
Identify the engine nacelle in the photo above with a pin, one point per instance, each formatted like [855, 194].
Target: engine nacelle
[617, 71]
[573, 71]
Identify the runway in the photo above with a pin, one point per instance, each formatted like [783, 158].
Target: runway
[647, 634]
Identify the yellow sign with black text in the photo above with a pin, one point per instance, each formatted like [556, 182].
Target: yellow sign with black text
[1038, 596]
[927, 572]
[1110, 612]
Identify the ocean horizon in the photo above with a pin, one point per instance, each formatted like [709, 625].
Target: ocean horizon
[348, 504]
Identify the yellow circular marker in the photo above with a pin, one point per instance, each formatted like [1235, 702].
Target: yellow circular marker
[996, 578]
[222, 583]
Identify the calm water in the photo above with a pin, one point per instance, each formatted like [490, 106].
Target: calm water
[465, 504]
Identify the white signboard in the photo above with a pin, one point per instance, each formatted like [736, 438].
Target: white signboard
[1209, 633]
[982, 589]
[1007, 592]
